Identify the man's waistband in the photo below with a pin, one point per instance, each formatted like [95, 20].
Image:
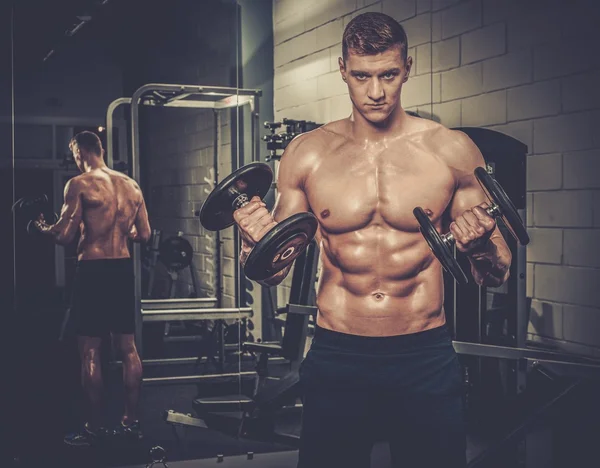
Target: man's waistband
[380, 344]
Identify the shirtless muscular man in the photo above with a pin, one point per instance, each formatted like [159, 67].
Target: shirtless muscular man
[381, 364]
[108, 209]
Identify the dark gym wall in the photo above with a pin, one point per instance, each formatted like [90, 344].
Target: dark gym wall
[78, 80]
[176, 144]
[6, 187]
[72, 88]
[7, 313]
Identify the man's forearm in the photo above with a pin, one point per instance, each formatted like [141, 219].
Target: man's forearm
[490, 266]
[59, 231]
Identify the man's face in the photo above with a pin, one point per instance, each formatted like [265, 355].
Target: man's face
[375, 81]
[77, 157]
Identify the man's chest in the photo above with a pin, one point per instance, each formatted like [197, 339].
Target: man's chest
[351, 189]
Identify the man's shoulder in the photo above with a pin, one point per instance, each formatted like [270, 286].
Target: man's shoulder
[78, 182]
[116, 177]
[131, 187]
[304, 146]
[123, 177]
[455, 147]
[435, 132]
[319, 141]
[446, 139]
[317, 137]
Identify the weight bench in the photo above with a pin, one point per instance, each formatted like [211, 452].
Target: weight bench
[247, 416]
[254, 414]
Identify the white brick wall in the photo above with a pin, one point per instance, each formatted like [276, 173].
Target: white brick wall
[460, 18]
[581, 169]
[462, 82]
[544, 172]
[545, 246]
[581, 92]
[546, 319]
[565, 284]
[583, 247]
[565, 132]
[418, 29]
[485, 109]
[400, 10]
[527, 69]
[483, 43]
[536, 100]
[446, 54]
[563, 208]
[512, 69]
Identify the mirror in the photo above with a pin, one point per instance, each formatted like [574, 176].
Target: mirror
[77, 68]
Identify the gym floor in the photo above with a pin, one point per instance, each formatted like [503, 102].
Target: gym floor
[50, 400]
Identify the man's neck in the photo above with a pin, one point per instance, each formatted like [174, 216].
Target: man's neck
[367, 132]
[93, 163]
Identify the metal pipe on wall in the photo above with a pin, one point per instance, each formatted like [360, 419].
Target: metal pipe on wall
[218, 243]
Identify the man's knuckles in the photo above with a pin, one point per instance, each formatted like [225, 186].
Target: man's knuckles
[254, 225]
[480, 230]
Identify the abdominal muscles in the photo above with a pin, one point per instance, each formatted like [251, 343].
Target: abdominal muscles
[378, 281]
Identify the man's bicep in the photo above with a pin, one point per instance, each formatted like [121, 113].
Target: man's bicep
[290, 201]
[465, 198]
[141, 218]
[468, 192]
[291, 194]
[142, 223]
[72, 207]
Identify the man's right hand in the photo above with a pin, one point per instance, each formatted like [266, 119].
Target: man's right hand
[133, 233]
[253, 221]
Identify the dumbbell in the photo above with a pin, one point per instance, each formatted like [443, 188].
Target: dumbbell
[29, 208]
[282, 244]
[158, 456]
[500, 207]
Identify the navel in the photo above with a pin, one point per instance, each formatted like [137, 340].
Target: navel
[378, 296]
[325, 214]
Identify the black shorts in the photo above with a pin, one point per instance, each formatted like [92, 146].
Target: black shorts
[404, 389]
[103, 297]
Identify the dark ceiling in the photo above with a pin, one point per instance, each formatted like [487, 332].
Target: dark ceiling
[43, 29]
[41, 26]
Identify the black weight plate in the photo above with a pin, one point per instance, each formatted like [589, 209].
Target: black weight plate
[508, 212]
[280, 246]
[439, 248]
[253, 179]
[30, 206]
[175, 253]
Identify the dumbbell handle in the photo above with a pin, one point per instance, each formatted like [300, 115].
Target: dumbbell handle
[493, 211]
[240, 200]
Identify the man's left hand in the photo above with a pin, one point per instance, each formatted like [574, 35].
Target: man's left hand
[40, 224]
[472, 230]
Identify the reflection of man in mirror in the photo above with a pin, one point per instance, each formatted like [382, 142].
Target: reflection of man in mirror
[382, 364]
[108, 209]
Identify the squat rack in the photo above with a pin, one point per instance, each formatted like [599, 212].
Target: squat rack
[188, 96]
